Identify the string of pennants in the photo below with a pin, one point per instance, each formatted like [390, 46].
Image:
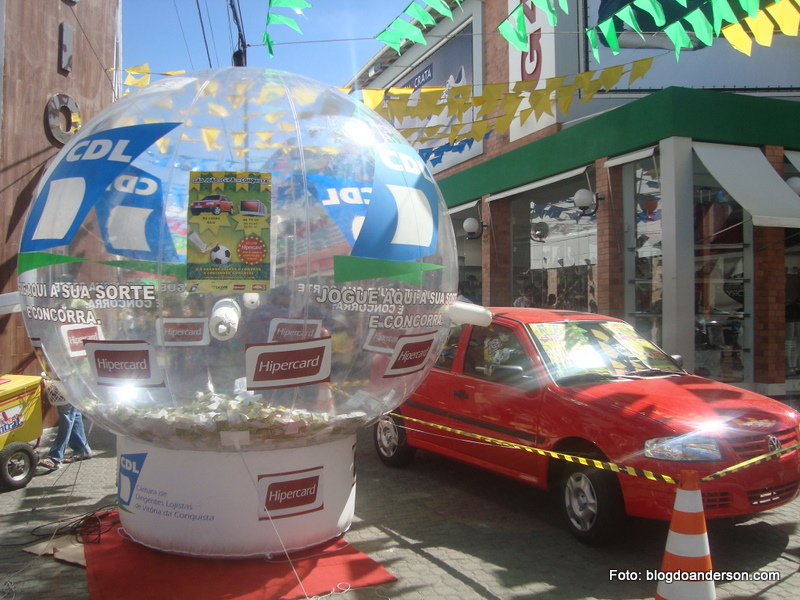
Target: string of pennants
[691, 18]
[493, 111]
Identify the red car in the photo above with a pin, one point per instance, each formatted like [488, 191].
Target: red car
[215, 204]
[588, 385]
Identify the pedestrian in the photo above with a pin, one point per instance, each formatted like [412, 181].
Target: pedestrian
[70, 434]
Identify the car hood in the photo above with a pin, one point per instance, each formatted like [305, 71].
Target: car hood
[687, 402]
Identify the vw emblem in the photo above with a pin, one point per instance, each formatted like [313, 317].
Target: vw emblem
[773, 443]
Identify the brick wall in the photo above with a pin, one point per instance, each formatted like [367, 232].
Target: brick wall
[610, 241]
[769, 285]
[496, 253]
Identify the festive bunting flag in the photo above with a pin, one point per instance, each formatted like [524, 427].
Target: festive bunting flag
[786, 15]
[441, 7]
[513, 29]
[701, 26]
[275, 19]
[609, 31]
[639, 69]
[546, 6]
[654, 9]
[738, 38]
[391, 38]
[628, 17]
[761, 27]
[415, 11]
[408, 31]
[296, 5]
[722, 12]
[751, 7]
[678, 36]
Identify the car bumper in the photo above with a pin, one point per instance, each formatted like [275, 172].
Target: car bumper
[751, 490]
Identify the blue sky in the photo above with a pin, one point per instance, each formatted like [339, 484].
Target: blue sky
[167, 34]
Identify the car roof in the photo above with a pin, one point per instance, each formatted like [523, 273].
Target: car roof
[544, 315]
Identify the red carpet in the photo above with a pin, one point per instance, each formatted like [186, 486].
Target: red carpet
[119, 569]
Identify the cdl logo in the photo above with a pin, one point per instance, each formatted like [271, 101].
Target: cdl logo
[410, 354]
[118, 363]
[291, 494]
[288, 364]
[130, 467]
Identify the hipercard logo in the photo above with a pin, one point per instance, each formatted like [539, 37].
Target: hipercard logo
[410, 354]
[76, 334]
[294, 330]
[288, 364]
[119, 363]
[291, 494]
[178, 331]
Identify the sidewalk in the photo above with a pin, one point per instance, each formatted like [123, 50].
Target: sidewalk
[443, 529]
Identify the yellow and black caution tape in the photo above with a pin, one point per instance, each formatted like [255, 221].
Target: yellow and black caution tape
[607, 466]
[756, 460]
[587, 462]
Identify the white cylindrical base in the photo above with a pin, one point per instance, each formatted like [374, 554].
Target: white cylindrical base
[235, 504]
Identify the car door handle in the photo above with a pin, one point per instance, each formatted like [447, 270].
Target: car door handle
[461, 394]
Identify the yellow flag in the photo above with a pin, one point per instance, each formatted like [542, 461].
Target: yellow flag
[217, 110]
[131, 79]
[543, 105]
[639, 69]
[372, 98]
[564, 96]
[524, 114]
[210, 136]
[761, 27]
[786, 15]
[610, 76]
[738, 38]
[141, 69]
[454, 131]
[239, 138]
[479, 129]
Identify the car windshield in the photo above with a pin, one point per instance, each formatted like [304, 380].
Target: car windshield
[591, 351]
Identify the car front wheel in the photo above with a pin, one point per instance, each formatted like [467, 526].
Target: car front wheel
[391, 443]
[592, 504]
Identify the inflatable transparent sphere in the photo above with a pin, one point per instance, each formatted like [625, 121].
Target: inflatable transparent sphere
[237, 259]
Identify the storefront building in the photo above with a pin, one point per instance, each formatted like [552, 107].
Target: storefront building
[693, 229]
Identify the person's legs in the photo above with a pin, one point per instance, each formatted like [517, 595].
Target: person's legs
[66, 418]
[77, 440]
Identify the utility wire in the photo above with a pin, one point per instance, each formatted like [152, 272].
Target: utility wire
[183, 33]
[203, 29]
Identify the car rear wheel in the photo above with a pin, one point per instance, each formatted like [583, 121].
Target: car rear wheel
[391, 443]
[17, 465]
[592, 504]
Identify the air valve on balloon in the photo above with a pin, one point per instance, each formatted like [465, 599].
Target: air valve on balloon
[225, 317]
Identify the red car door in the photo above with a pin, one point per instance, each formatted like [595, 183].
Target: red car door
[498, 394]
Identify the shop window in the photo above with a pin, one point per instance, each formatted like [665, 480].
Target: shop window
[554, 248]
[648, 260]
[721, 284]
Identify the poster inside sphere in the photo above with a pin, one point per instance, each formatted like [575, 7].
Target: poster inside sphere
[228, 233]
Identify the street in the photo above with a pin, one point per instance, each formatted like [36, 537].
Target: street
[443, 529]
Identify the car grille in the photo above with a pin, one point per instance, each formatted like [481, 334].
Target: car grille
[755, 445]
[771, 495]
[716, 500]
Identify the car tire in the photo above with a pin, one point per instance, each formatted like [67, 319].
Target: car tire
[592, 505]
[17, 465]
[195, 211]
[391, 444]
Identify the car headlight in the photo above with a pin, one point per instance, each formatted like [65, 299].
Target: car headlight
[688, 448]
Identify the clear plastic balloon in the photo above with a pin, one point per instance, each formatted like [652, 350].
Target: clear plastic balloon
[237, 259]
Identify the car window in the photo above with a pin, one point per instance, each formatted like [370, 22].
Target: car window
[495, 353]
[598, 349]
[448, 353]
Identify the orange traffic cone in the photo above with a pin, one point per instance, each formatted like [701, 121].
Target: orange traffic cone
[686, 569]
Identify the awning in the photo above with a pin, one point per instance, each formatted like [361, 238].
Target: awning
[745, 173]
[794, 158]
[630, 157]
[537, 184]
